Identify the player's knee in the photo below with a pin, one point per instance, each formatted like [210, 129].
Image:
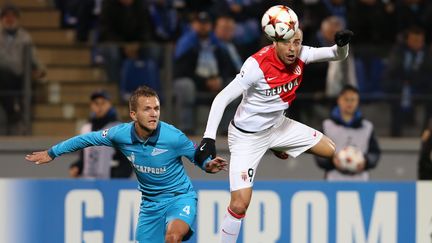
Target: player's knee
[239, 206]
[173, 237]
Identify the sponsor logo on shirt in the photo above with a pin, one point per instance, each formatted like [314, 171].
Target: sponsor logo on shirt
[150, 170]
[282, 89]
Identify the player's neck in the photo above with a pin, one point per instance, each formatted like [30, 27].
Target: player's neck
[142, 133]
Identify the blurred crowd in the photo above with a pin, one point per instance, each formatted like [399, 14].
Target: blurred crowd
[390, 54]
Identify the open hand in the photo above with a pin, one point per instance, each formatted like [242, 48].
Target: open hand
[40, 157]
[215, 165]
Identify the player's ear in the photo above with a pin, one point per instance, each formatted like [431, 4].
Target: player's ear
[132, 114]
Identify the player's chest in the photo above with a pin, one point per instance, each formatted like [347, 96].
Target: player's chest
[147, 155]
[287, 78]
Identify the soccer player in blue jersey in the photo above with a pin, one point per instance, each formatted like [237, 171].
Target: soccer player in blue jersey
[154, 148]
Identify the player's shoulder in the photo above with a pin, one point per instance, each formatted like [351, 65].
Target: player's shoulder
[265, 54]
[120, 133]
[169, 131]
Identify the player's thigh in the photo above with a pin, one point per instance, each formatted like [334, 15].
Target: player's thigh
[294, 137]
[246, 151]
[324, 148]
[183, 209]
[151, 227]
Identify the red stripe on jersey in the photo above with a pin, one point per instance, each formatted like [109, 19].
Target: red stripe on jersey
[283, 80]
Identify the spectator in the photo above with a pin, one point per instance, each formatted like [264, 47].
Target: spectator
[122, 22]
[323, 79]
[16, 47]
[247, 14]
[100, 161]
[165, 20]
[347, 127]
[373, 22]
[88, 13]
[408, 74]
[412, 13]
[425, 160]
[201, 69]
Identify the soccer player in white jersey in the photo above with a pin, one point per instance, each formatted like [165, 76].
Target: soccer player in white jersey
[268, 81]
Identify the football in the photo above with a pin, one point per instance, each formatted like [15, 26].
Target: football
[350, 158]
[279, 23]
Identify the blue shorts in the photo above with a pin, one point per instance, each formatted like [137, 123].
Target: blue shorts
[155, 216]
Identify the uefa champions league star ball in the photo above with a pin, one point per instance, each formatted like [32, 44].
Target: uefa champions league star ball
[279, 23]
[350, 158]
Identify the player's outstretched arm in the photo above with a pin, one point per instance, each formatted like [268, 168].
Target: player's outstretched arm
[40, 157]
[215, 165]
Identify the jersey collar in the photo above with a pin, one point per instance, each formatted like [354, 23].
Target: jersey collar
[151, 140]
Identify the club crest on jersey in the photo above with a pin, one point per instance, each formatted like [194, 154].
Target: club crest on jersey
[244, 175]
[297, 70]
[282, 89]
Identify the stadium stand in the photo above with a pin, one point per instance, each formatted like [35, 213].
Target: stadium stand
[60, 102]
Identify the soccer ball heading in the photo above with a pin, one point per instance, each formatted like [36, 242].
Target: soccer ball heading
[279, 23]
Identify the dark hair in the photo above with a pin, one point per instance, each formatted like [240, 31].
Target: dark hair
[348, 87]
[100, 94]
[9, 7]
[416, 30]
[142, 91]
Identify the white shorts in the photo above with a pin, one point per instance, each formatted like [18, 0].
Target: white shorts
[247, 149]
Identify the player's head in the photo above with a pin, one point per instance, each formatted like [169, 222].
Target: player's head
[348, 100]
[144, 108]
[289, 50]
[100, 103]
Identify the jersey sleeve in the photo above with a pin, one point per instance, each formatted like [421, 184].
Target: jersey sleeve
[97, 138]
[249, 74]
[323, 54]
[186, 148]
[226, 96]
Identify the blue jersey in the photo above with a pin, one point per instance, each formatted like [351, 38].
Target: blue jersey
[156, 161]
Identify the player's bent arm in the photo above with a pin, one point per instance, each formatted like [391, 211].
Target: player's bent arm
[324, 54]
[226, 96]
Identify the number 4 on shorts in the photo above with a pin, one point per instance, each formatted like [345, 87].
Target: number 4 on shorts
[186, 209]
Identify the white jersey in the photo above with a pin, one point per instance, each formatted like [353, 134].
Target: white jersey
[268, 87]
